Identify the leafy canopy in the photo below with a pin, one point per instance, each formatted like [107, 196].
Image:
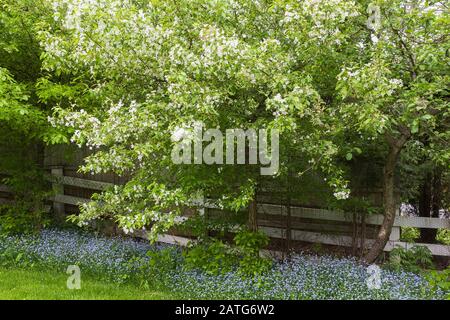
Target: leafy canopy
[311, 69]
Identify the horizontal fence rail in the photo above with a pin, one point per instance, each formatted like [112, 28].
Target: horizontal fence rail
[83, 183]
[376, 219]
[273, 231]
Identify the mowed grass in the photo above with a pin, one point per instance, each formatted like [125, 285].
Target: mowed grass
[18, 284]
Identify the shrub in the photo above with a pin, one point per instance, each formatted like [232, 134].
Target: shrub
[155, 270]
[215, 257]
[443, 236]
[27, 212]
[413, 260]
[440, 280]
[212, 257]
[249, 245]
[409, 234]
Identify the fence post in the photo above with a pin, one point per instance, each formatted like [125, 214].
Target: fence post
[58, 188]
[395, 233]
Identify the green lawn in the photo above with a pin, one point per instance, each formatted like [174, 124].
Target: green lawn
[33, 284]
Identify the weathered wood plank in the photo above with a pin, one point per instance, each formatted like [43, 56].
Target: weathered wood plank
[317, 226]
[421, 222]
[86, 184]
[323, 214]
[61, 198]
[166, 238]
[338, 240]
[436, 249]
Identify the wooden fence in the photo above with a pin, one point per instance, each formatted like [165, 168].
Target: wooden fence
[313, 225]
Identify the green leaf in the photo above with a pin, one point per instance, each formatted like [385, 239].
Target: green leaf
[415, 126]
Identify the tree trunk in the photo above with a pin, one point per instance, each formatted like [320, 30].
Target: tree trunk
[252, 216]
[389, 201]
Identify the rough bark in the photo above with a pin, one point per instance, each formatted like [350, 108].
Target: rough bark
[252, 216]
[389, 201]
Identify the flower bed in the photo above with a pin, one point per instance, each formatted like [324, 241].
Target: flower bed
[119, 259]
